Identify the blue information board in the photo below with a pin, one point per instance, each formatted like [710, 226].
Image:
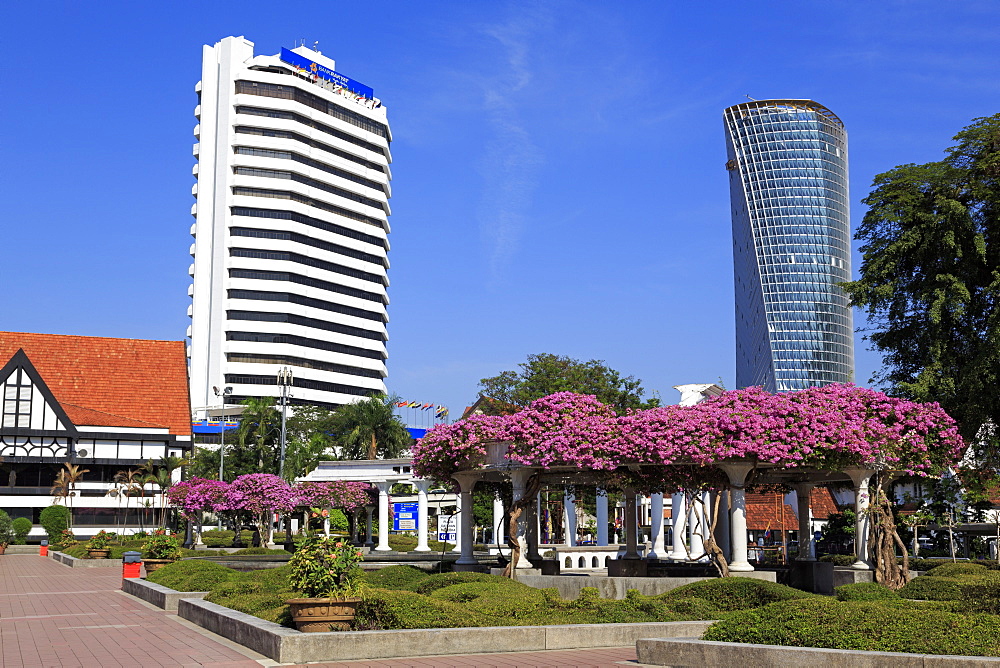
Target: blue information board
[404, 517]
[322, 72]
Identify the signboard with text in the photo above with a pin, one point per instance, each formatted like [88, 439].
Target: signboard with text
[404, 517]
[448, 528]
[326, 73]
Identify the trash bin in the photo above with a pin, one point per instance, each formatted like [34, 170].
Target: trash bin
[44, 549]
[131, 563]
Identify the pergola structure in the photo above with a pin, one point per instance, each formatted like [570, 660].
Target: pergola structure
[731, 531]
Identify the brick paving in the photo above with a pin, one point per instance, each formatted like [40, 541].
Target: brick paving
[52, 616]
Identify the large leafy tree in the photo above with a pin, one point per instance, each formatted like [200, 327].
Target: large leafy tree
[930, 280]
[310, 438]
[369, 429]
[545, 374]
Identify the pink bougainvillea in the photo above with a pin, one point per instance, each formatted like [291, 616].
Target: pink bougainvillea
[344, 494]
[197, 495]
[828, 428]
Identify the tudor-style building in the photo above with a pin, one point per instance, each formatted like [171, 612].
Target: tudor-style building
[107, 405]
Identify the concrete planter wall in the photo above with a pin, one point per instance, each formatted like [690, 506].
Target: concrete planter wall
[684, 652]
[73, 562]
[158, 595]
[569, 586]
[288, 646]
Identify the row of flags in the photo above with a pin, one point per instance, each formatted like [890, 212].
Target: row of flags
[439, 411]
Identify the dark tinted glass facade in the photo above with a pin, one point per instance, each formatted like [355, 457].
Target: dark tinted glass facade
[787, 162]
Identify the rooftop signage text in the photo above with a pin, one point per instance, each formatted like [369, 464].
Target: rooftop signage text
[309, 66]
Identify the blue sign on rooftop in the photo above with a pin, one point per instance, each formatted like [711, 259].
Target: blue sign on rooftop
[322, 72]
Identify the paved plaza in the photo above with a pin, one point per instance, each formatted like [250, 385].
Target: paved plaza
[55, 616]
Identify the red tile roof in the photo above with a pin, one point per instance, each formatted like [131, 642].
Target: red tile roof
[107, 382]
[822, 504]
[769, 511]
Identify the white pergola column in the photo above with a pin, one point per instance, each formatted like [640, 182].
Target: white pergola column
[467, 482]
[861, 477]
[737, 472]
[602, 517]
[722, 533]
[499, 520]
[678, 520]
[659, 550]
[807, 549]
[369, 519]
[383, 516]
[631, 526]
[519, 479]
[422, 524]
[569, 519]
[696, 528]
[458, 523]
[534, 530]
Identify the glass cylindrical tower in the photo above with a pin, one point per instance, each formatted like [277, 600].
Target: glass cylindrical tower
[787, 162]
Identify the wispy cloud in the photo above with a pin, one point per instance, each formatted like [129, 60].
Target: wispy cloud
[511, 164]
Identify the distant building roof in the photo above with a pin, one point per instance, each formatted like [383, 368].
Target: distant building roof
[107, 382]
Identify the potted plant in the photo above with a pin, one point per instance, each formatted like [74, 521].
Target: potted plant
[65, 540]
[160, 550]
[99, 547]
[324, 570]
[6, 531]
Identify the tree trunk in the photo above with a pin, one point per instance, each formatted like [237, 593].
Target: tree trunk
[373, 448]
[513, 514]
[884, 539]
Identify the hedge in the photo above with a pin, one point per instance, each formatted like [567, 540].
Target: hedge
[865, 591]
[821, 622]
[926, 588]
[191, 575]
[394, 577]
[54, 519]
[952, 569]
[22, 527]
[735, 593]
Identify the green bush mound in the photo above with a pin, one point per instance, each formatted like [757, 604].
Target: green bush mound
[981, 595]
[957, 568]
[858, 625]
[926, 588]
[260, 593]
[398, 609]
[865, 591]
[839, 559]
[735, 593]
[246, 551]
[431, 583]
[191, 575]
[394, 577]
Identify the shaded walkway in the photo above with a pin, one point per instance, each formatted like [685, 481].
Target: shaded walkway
[60, 617]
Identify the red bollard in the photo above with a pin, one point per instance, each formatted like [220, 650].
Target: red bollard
[131, 570]
[44, 549]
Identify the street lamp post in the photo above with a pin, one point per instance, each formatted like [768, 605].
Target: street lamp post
[284, 380]
[222, 394]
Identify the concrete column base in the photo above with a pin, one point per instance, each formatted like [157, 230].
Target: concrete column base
[628, 568]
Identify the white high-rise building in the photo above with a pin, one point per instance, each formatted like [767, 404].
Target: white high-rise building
[291, 224]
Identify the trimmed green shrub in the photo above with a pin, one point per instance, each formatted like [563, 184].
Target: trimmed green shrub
[394, 577]
[191, 575]
[6, 528]
[736, 593]
[386, 609]
[865, 591]
[259, 551]
[952, 569]
[839, 559]
[495, 599]
[692, 608]
[981, 595]
[55, 520]
[433, 582]
[22, 527]
[925, 588]
[822, 622]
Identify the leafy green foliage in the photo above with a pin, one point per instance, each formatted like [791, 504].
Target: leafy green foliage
[370, 429]
[839, 559]
[545, 374]
[857, 625]
[926, 588]
[324, 567]
[192, 575]
[956, 568]
[929, 278]
[250, 551]
[161, 546]
[102, 540]
[55, 520]
[394, 577]
[22, 527]
[865, 591]
[981, 595]
[6, 529]
[735, 593]
[260, 593]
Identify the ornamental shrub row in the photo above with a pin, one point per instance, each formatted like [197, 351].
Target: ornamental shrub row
[857, 625]
[736, 593]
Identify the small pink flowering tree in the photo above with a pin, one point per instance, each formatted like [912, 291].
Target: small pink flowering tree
[260, 496]
[322, 497]
[195, 496]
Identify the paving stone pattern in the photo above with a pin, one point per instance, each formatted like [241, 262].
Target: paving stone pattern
[58, 617]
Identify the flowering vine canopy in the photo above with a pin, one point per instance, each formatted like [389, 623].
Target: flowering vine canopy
[265, 493]
[828, 428]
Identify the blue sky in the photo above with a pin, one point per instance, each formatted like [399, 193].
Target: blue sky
[559, 181]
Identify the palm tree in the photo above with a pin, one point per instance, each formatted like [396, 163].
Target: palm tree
[259, 428]
[369, 429]
[161, 474]
[68, 476]
[130, 482]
